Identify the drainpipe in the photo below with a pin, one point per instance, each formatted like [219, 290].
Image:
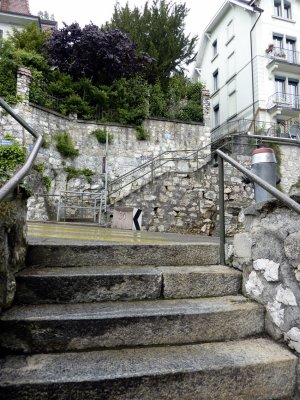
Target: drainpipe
[251, 50]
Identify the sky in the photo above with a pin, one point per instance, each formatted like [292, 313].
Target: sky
[100, 11]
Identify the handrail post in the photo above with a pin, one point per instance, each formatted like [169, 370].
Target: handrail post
[152, 171]
[221, 209]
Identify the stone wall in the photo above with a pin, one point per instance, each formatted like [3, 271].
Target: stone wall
[268, 253]
[12, 246]
[289, 167]
[187, 202]
[124, 154]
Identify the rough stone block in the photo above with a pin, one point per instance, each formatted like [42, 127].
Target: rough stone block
[242, 245]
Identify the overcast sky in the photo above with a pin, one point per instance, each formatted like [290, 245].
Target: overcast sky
[100, 11]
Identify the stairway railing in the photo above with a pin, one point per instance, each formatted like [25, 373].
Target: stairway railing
[151, 166]
[13, 182]
[254, 178]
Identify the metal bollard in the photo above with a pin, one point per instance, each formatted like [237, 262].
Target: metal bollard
[264, 166]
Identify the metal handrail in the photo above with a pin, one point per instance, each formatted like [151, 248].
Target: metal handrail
[162, 161]
[253, 177]
[13, 182]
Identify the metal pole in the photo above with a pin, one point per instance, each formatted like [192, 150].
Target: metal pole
[152, 172]
[265, 185]
[221, 210]
[106, 172]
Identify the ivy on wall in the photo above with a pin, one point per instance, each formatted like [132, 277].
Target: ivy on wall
[11, 157]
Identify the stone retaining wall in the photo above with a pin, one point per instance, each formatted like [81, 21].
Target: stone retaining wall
[12, 246]
[187, 202]
[124, 154]
[268, 253]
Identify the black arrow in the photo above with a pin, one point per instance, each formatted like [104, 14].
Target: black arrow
[135, 219]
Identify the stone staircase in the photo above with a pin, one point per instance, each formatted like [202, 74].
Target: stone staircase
[137, 322]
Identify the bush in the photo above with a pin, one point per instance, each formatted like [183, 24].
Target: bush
[142, 133]
[10, 158]
[191, 112]
[74, 173]
[101, 135]
[65, 145]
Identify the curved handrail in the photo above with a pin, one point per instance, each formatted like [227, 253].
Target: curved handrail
[13, 182]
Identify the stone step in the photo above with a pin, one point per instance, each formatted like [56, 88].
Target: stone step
[72, 327]
[90, 284]
[253, 369]
[202, 281]
[87, 284]
[62, 255]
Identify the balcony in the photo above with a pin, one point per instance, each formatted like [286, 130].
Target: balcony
[289, 129]
[288, 104]
[286, 60]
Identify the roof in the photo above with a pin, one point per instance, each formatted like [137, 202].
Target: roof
[15, 6]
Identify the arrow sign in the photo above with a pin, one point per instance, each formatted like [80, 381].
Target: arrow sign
[137, 219]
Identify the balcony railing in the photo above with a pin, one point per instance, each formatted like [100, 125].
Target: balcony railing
[285, 129]
[284, 100]
[286, 55]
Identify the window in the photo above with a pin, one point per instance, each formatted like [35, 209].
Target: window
[216, 115]
[291, 50]
[230, 30]
[216, 80]
[293, 92]
[278, 41]
[287, 10]
[231, 98]
[280, 85]
[282, 8]
[231, 65]
[215, 48]
[277, 8]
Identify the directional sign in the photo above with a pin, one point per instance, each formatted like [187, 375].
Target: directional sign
[6, 142]
[137, 219]
[127, 218]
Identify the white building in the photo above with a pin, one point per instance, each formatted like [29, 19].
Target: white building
[16, 14]
[248, 59]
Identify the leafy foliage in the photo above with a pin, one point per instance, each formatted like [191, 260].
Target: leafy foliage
[74, 173]
[101, 135]
[102, 56]
[158, 30]
[124, 99]
[142, 133]
[31, 38]
[11, 157]
[65, 145]
[40, 168]
[46, 15]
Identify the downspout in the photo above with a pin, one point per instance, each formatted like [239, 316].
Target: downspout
[251, 52]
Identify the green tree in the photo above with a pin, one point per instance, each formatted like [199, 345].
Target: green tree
[31, 38]
[46, 15]
[158, 30]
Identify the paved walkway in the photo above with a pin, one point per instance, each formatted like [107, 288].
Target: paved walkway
[51, 233]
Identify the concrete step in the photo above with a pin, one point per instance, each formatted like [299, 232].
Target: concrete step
[87, 284]
[71, 327]
[256, 369]
[203, 281]
[90, 284]
[62, 255]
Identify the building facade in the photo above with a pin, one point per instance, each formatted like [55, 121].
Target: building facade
[249, 59]
[16, 14]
